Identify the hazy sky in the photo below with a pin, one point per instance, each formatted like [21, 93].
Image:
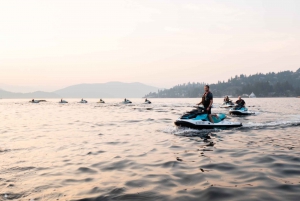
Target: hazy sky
[53, 44]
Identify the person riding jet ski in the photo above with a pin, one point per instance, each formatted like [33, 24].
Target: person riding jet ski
[63, 101]
[126, 101]
[83, 101]
[226, 99]
[240, 109]
[227, 103]
[207, 101]
[147, 101]
[101, 101]
[240, 103]
[34, 101]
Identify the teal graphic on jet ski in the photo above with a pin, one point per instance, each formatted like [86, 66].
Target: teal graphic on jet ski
[198, 119]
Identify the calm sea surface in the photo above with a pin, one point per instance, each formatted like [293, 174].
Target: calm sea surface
[50, 151]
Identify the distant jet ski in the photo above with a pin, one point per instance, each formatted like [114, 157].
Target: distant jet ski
[63, 101]
[227, 104]
[197, 119]
[147, 101]
[34, 101]
[126, 101]
[101, 101]
[240, 111]
[82, 101]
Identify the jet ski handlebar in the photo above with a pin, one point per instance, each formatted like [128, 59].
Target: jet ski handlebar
[201, 108]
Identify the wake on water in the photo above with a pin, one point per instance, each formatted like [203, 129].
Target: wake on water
[294, 121]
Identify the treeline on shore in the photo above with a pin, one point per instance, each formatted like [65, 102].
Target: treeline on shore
[282, 84]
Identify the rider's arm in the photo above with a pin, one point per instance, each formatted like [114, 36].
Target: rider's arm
[211, 102]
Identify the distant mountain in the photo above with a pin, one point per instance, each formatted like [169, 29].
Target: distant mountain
[25, 89]
[282, 84]
[106, 90]
[37, 94]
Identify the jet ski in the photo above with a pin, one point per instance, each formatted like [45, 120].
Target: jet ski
[147, 101]
[82, 101]
[239, 110]
[34, 101]
[63, 101]
[126, 101]
[198, 119]
[227, 104]
[100, 101]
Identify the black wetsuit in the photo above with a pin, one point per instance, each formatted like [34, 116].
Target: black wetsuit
[206, 98]
[241, 103]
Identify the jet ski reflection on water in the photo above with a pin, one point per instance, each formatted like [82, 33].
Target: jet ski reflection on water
[126, 101]
[82, 101]
[101, 101]
[198, 119]
[147, 101]
[238, 110]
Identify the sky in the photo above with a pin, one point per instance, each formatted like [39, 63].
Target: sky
[51, 44]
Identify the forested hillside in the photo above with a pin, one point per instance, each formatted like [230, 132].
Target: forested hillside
[282, 84]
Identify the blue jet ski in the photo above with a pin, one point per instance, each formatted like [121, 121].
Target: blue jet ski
[240, 110]
[199, 120]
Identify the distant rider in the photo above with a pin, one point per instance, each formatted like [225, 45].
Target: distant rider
[207, 101]
[240, 102]
[226, 99]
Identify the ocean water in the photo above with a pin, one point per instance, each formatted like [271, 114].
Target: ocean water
[102, 152]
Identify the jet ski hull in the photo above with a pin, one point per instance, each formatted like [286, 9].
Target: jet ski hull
[241, 111]
[206, 124]
[226, 106]
[200, 121]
